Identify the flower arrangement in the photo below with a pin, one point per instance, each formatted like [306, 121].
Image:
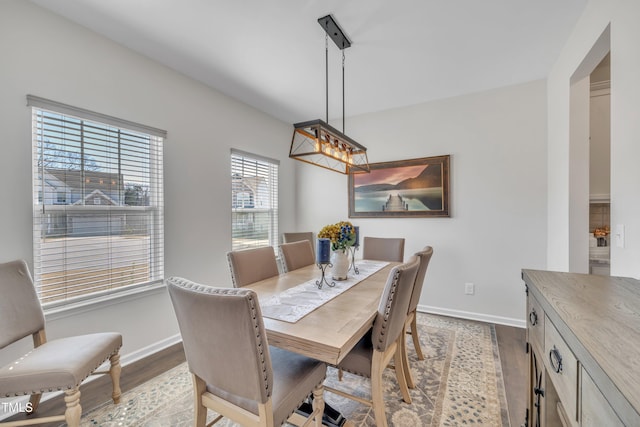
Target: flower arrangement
[341, 234]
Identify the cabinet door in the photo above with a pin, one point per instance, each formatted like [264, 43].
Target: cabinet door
[595, 409]
[536, 389]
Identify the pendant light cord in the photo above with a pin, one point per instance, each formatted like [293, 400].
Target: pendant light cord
[326, 75]
[343, 89]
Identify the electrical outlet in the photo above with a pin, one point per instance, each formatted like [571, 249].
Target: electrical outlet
[469, 289]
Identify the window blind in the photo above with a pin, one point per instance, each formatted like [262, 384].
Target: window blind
[254, 201]
[98, 203]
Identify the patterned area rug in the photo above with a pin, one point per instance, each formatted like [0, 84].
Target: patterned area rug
[459, 383]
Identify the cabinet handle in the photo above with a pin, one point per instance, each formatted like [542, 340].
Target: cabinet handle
[533, 317]
[556, 360]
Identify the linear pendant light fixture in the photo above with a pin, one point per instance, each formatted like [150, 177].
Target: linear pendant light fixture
[316, 141]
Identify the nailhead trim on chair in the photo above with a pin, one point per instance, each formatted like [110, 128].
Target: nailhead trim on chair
[233, 276]
[387, 308]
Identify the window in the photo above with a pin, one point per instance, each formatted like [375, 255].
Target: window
[254, 201]
[98, 203]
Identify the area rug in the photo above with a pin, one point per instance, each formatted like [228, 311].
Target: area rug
[459, 383]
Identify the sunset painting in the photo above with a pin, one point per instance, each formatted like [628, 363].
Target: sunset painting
[417, 187]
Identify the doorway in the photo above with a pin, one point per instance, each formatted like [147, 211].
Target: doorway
[600, 168]
[580, 156]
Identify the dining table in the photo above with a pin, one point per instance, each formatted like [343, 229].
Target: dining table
[331, 330]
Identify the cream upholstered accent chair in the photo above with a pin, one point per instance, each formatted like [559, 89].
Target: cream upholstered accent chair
[297, 236]
[252, 265]
[411, 322]
[296, 255]
[57, 365]
[371, 355]
[235, 373]
[291, 237]
[383, 249]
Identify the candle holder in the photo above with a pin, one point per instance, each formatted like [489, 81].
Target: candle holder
[353, 265]
[323, 279]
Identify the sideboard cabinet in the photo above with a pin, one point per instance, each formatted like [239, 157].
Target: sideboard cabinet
[583, 345]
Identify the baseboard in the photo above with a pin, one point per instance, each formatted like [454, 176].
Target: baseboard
[480, 317]
[7, 405]
[139, 354]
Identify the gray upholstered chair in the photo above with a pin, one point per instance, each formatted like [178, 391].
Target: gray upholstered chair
[296, 255]
[291, 237]
[235, 373]
[383, 248]
[411, 322]
[57, 365]
[252, 265]
[372, 354]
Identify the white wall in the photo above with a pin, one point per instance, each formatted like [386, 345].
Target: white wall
[623, 16]
[47, 56]
[579, 177]
[498, 195]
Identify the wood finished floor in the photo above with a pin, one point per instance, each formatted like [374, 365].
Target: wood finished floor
[511, 345]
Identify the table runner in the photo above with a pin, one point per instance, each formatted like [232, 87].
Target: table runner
[300, 300]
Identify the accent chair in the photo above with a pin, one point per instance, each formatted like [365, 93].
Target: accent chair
[383, 248]
[371, 355]
[252, 265]
[411, 322]
[56, 365]
[235, 372]
[296, 255]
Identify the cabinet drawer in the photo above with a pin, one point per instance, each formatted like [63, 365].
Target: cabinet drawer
[562, 368]
[595, 410]
[535, 323]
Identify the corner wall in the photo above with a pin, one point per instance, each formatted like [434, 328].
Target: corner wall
[622, 16]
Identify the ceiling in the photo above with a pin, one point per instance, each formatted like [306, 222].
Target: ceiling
[271, 54]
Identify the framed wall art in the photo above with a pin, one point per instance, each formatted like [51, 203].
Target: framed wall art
[404, 188]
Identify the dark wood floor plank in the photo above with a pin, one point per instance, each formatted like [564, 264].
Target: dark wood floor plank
[513, 357]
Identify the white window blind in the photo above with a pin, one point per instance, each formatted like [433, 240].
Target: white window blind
[254, 201]
[98, 203]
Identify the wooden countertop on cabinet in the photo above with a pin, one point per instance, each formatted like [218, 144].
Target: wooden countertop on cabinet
[599, 318]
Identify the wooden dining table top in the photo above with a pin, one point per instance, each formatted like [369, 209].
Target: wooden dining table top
[330, 331]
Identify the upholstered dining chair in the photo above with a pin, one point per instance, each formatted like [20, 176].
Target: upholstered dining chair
[56, 365]
[296, 255]
[371, 355]
[383, 248]
[252, 265]
[290, 237]
[235, 372]
[411, 324]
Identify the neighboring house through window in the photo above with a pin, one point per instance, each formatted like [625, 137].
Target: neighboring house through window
[98, 203]
[254, 201]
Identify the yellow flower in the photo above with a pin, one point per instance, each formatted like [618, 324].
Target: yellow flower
[341, 234]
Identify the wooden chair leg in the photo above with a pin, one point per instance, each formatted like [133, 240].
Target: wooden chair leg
[34, 401]
[318, 404]
[405, 359]
[416, 340]
[377, 395]
[74, 411]
[200, 411]
[114, 371]
[400, 370]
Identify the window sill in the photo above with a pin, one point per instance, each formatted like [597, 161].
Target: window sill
[79, 307]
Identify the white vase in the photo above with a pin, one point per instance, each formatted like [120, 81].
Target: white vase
[340, 264]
